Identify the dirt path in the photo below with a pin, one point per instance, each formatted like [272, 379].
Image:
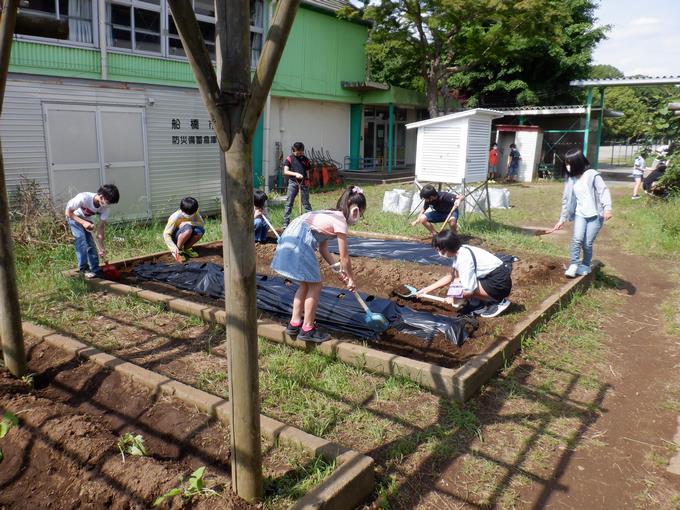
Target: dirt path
[625, 466]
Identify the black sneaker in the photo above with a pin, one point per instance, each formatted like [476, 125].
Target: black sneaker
[292, 331]
[313, 335]
[495, 309]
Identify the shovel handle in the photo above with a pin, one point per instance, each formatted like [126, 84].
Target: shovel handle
[362, 302]
[271, 227]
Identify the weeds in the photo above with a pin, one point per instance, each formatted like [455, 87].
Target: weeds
[34, 218]
[8, 422]
[194, 486]
[132, 445]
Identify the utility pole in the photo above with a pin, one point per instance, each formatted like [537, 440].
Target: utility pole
[234, 102]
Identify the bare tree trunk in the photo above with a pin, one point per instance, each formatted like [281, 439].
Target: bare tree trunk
[240, 299]
[11, 333]
[432, 94]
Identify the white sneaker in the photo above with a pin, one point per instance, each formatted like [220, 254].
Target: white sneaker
[495, 309]
[571, 271]
[635, 197]
[582, 270]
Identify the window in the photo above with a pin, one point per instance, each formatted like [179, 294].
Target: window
[134, 26]
[77, 12]
[205, 15]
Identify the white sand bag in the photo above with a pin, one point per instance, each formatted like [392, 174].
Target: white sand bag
[404, 205]
[391, 201]
[499, 198]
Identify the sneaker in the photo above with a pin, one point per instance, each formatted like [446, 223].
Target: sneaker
[313, 335]
[94, 274]
[571, 271]
[495, 309]
[582, 270]
[292, 331]
[190, 252]
[635, 197]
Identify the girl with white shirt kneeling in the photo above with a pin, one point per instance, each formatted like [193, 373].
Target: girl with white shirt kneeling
[477, 272]
[587, 202]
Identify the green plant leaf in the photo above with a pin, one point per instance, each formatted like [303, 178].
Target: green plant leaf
[7, 423]
[168, 495]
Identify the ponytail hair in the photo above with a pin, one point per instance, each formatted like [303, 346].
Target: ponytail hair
[353, 195]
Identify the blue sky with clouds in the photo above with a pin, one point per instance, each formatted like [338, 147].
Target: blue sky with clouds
[644, 39]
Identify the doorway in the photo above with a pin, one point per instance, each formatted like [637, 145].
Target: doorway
[89, 145]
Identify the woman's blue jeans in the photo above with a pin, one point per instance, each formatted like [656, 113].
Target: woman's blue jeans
[585, 232]
[86, 250]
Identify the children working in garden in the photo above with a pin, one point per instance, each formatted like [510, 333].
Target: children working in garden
[297, 168]
[475, 272]
[261, 226]
[586, 200]
[443, 206]
[183, 229]
[80, 211]
[295, 258]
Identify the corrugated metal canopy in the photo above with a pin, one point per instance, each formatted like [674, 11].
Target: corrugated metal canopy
[513, 111]
[626, 82]
[332, 5]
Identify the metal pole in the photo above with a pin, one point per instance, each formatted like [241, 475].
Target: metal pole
[11, 334]
[390, 138]
[598, 135]
[586, 130]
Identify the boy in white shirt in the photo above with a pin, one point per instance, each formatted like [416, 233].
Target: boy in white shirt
[79, 212]
[481, 274]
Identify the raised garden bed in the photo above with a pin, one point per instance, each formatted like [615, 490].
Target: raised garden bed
[538, 290]
[71, 418]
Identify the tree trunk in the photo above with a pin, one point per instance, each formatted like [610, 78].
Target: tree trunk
[240, 304]
[432, 96]
[11, 334]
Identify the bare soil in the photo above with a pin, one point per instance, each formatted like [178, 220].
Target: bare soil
[64, 452]
[534, 278]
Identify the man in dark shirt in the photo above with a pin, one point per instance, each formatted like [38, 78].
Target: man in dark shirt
[440, 204]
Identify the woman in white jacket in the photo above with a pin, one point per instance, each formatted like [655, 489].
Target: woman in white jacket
[586, 200]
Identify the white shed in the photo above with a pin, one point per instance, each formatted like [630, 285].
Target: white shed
[454, 148]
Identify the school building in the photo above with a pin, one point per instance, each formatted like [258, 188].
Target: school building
[117, 102]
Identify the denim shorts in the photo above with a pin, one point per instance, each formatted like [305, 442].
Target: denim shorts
[195, 231]
[438, 217]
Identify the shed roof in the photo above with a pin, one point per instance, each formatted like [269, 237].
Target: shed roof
[455, 116]
[331, 5]
[512, 111]
[625, 82]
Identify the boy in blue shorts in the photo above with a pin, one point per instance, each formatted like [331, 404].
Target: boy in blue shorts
[440, 204]
[184, 228]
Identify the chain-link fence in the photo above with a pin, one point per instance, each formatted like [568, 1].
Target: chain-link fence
[622, 153]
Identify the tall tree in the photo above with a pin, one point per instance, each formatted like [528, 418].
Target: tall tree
[234, 101]
[487, 52]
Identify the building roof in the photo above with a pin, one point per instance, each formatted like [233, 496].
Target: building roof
[330, 5]
[455, 116]
[621, 82]
[513, 111]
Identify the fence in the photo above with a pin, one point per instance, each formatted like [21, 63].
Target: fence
[622, 153]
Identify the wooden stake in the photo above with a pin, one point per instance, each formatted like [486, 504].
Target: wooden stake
[11, 333]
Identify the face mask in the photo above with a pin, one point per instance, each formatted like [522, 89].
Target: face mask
[568, 169]
[354, 215]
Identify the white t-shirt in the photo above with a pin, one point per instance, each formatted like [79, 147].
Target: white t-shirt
[463, 262]
[82, 205]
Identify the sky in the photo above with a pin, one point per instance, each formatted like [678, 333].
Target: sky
[644, 38]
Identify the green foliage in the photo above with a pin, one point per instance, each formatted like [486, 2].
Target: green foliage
[195, 486]
[483, 51]
[132, 445]
[8, 422]
[671, 179]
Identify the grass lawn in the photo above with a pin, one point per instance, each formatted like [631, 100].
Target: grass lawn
[483, 453]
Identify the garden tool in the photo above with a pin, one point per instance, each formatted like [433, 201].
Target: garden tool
[271, 227]
[409, 291]
[109, 270]
[375, 321]
[300, 181]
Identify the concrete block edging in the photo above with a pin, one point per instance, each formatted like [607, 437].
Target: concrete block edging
[458, 384]
[351, 482]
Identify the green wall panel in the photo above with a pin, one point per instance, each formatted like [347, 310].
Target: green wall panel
[322, 51]
[258, 146]
[52, 60]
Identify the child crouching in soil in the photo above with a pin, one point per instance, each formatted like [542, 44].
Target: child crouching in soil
[295, 258]
[184, 229]
[481, 274]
